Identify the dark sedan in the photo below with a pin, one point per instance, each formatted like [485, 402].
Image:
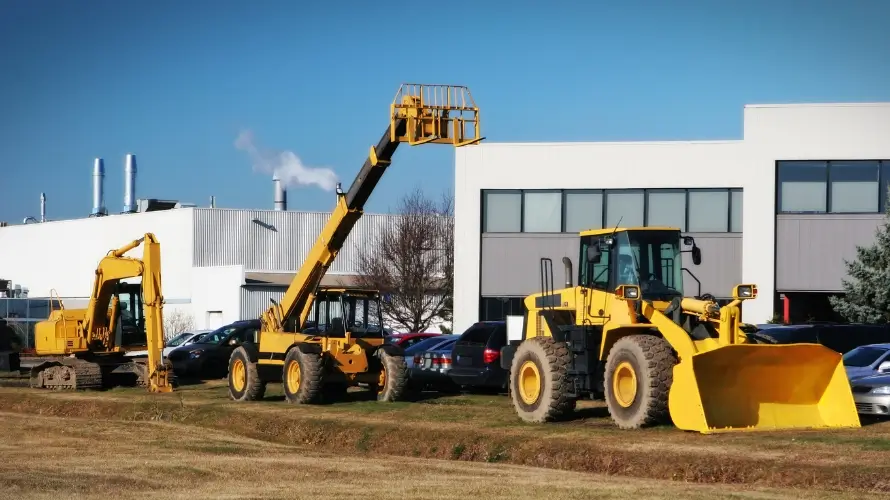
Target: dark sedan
[209, 355]
[475, 358]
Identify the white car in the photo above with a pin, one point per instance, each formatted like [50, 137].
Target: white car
[184, 338]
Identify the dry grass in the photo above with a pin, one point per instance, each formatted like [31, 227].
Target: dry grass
[53, 457]
[484, 429]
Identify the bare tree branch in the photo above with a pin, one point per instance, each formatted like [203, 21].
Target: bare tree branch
[412, 260]
[176, 322]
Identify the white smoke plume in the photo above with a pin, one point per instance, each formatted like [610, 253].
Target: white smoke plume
[286, 165]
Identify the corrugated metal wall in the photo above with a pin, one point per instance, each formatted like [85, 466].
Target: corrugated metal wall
[255, 299]
[275, 240]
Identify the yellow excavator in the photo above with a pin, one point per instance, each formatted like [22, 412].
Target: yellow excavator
[86, 348]
[628, 334]
[319, 341]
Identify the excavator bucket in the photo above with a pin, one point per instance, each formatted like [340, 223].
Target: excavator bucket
[748, 387]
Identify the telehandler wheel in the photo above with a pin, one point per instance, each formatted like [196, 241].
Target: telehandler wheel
[302, 377]
[638, 377]
[393, 379]
[538, 383]
[244, 380]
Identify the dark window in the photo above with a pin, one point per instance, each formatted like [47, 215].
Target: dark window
[478, 334]
[854, 186]
[498, 338]
[863, 356]
[498, 308]
[803, 186]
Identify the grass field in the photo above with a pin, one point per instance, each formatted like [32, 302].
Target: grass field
[197, 442]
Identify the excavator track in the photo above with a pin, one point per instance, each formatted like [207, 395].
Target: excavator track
[67, 374]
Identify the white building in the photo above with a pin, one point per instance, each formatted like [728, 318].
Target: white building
[218, 265]
[518, 202]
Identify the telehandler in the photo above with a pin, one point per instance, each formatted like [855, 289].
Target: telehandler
[85, 348]
[628, 334]
[318, 342]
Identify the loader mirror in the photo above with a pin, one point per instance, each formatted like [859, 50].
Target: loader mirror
[696, 255]
[594, 254]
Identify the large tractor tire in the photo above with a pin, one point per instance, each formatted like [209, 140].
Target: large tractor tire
[638, 377]
[393, 380]
[302, 377]
[538, 382]
[244, 379]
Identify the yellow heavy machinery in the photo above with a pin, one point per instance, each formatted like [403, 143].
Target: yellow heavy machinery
[321, 341]
[85, 348]
[627, 334]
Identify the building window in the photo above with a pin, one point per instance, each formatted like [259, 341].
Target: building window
[498, 308]
[584, 210]
[667, 209]
[735, 208]
[542, 212]
[708, 211]
[803, 186]
[854, 186]
[503, 212]
[626, 207]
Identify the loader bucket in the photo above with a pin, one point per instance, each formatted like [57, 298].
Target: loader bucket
[762, 387]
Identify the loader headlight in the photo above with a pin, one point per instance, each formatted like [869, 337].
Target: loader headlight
[628, 292]
[744, 292]
[881, 390]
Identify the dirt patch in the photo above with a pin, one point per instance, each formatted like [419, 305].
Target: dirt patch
[668, 455]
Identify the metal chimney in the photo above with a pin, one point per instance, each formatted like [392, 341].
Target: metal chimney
[130, 183]
[42, 207]
[212, 201]
[99, 188]
[280, 194]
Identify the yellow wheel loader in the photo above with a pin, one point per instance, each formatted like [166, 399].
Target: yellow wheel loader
[318, 342]
[628, 334]
[86, 348]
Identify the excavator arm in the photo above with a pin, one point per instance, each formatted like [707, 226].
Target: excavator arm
[98, 326]
[419, 114]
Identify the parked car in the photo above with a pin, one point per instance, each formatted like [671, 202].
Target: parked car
[872, 395]
[184, 338]
[406, 340]
[209, 355]
[867, 360]
[476, 357]
[429, 362]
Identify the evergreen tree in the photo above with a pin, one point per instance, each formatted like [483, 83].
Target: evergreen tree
[867, 287]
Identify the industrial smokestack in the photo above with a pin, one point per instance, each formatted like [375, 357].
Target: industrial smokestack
[280, 194]
[212, 201]
[42, 207]
[130, 183]
[98, 188]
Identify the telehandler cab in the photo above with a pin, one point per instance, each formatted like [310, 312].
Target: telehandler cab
[319, 341]
[628, 334]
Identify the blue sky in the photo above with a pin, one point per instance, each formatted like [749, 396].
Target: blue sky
[175, 83]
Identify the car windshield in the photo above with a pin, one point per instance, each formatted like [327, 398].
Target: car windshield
[217, 336]
[863, 356]
[179, 339]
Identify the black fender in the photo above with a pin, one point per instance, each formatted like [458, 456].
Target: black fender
[507, 353]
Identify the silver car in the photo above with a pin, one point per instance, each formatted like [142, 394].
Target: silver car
[872, 395]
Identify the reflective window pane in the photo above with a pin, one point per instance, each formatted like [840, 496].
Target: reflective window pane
[667, 209]
[624, 207]
[708, 211]
[854, 186]
[583, 211]
[803, 186]
[735, 223]
[543, 212]
[503, 212]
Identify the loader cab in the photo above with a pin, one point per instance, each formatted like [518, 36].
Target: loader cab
[335, 311]
[650, 258]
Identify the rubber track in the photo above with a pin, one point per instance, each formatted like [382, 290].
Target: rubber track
[558, 359]
[87, 375]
